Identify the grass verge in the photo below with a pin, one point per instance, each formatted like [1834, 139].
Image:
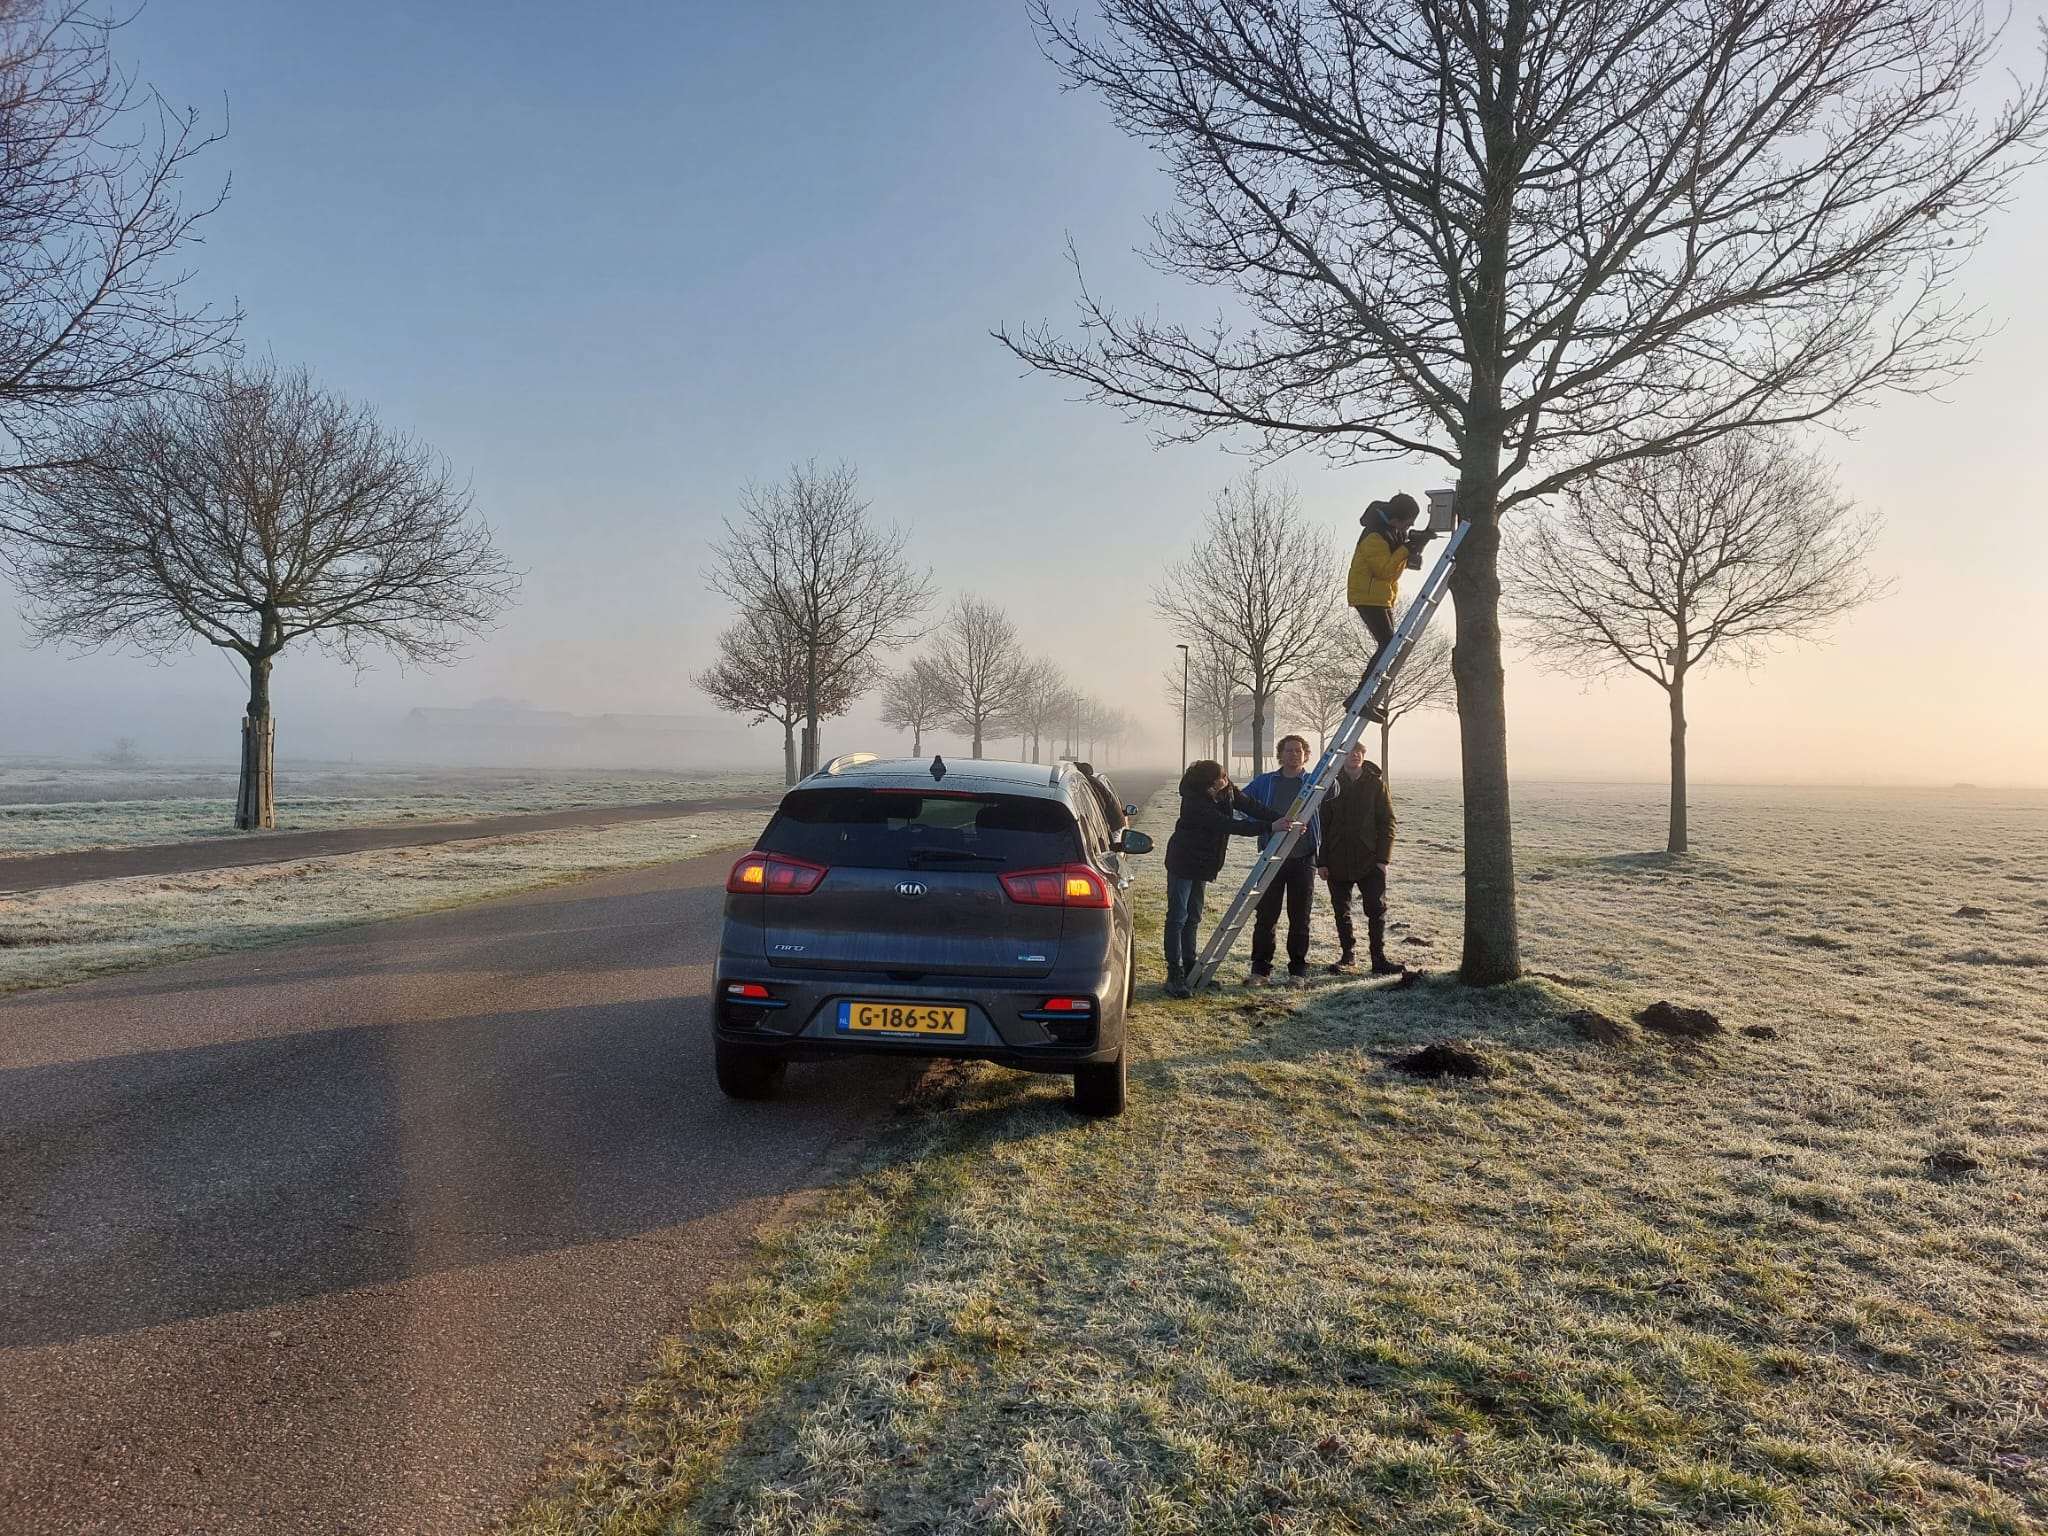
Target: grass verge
[1746, 1284]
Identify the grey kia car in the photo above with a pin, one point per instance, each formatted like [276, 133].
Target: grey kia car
[926, 909]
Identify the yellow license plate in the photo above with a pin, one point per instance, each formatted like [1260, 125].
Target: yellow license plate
[902, 1019]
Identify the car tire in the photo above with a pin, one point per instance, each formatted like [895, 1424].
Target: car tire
[1099, 1089]
[747, 1071]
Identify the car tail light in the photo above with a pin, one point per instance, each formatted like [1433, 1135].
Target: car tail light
[774, 875]
[1070, 885]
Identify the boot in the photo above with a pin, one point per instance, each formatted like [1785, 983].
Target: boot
[1377, 714]
[1346, 962]
[1376, 945]
[1177, 982]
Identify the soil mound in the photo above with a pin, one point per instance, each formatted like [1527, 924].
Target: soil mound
[1443, 1059]
[1678, 1021]
[1589, 1024]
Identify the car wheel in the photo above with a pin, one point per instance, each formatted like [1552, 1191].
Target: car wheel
[1099, 1090]
[747, 1071]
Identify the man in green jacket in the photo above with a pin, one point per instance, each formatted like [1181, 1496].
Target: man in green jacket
[1358, 844]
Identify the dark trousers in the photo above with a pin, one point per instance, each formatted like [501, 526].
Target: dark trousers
[1294, 883]
[1372, 895]
[1379, 622]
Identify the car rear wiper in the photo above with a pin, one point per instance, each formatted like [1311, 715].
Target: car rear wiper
[954, 855]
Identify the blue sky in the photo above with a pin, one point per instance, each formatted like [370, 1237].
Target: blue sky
[614, 262]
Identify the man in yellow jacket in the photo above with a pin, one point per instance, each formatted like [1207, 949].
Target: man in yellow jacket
[1388, 546]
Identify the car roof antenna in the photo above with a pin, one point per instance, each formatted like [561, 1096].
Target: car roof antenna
[938, 766]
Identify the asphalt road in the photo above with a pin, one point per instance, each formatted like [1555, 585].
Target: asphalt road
[40, 871]
[344, 1235]
[348, 1234]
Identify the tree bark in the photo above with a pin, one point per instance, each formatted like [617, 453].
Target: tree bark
[977, 740]
[1676, 841]
[789, 773]
[1492, 942]
[917, 741]
[1386, 740]
[256, 797]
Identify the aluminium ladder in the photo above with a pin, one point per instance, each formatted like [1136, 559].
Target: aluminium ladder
[1315, 786]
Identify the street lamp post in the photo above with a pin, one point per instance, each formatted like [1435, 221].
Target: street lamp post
[1183, 705]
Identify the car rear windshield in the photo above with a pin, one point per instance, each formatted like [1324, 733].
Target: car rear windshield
[911, 829]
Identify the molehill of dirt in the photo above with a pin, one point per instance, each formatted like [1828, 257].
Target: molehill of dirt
[1443, 1059]
[1678, 1021]
[1590, 1024]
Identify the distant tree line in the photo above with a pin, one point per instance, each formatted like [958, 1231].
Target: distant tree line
[824, 594]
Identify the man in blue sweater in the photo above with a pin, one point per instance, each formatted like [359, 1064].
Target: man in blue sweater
[1294, 882]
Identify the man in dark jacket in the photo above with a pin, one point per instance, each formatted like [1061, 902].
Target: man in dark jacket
[1358, 844]
[1212, 811]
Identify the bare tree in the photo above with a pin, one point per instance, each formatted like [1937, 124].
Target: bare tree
[1422, 682]
[981, 667]
[1659, 566]
[760, 672]
[90, 226]
[914, 700]
[255, 511]
[806, 552]
[1042, 696]
[1203, 687]
[1259, 588]
[1213, 695]
[1532, 240]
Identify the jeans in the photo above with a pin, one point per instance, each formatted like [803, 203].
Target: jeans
[1295, 883]
[1183, 916]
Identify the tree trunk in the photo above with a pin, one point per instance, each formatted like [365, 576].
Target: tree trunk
[1492, 943]
[810, 762]
[977, 740]
[789, 773]
[916, 740]
[1386, 741]
[1676, 842]
[1258, 727]
[256, 798]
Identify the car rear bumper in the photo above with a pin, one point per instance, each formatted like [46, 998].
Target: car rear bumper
[801, 1017]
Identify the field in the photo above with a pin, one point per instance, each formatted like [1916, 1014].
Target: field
[1782, 1278]
[56, 807]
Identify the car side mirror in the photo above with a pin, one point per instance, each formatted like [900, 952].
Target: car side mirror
[1132, 841]
[1130, 810]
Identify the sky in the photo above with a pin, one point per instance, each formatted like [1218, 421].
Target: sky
[618, 262]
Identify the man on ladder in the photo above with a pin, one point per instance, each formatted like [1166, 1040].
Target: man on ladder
[1389, 544]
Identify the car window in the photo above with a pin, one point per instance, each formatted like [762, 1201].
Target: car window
[1089, 814]
[907, 829]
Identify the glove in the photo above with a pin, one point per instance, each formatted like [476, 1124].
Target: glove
[1420, 537]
